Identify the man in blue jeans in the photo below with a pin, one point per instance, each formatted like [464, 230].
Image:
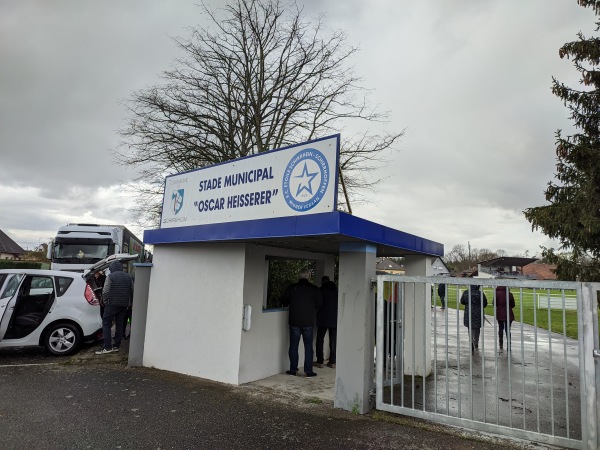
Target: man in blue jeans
[303, 299]
[117, 295]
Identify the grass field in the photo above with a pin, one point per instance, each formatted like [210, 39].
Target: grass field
[525, 309]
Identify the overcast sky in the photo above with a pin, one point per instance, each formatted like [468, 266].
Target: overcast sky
[469, 81]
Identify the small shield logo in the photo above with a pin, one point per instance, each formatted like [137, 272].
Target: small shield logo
[177, 200]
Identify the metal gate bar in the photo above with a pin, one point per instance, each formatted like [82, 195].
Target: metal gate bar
[552, 384]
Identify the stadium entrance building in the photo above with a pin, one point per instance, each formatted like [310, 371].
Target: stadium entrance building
[204, 298]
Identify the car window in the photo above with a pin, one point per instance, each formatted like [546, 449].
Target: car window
[2, 279]
[12, 285]
[41, 282]
[63, 284]
[40, 285]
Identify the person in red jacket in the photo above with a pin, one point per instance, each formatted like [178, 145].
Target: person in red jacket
[504, 315]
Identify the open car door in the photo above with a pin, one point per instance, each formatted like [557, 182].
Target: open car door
[103, 265]
[9, 290]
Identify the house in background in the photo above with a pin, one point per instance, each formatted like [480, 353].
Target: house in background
[389, 266]
[540, 271]
[9, 249]
[439, 267]
[504, 267]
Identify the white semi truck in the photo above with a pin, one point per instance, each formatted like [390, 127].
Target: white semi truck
[78, 246]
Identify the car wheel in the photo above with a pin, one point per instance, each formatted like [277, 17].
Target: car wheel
[62, 339]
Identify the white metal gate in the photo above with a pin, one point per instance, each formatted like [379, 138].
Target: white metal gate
[542, 386]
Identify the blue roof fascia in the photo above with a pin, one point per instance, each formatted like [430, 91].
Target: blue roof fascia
[331, 223]
[372, 232]
[277, 227]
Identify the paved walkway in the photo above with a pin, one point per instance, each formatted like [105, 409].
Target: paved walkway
[97, 402]
[513, 390]
[91, 401]
[534, 387]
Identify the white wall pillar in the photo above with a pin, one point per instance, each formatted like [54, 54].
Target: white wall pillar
[417, 317]
[138, 314]
[195, 305]
[356, 327]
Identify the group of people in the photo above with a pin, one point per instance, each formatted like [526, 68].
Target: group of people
[115, 305]
[474, 301]
[307, 303]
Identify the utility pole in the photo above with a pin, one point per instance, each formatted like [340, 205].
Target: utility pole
[470, 262]
[345, 191]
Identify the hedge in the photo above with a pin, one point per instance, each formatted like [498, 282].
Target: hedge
[12, 264]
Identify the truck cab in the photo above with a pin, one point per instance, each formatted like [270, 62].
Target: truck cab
[77, 247]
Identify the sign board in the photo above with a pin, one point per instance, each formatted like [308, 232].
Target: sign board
[296, 180]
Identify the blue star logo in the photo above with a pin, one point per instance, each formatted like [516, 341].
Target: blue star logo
[305, 180]
[305, 167]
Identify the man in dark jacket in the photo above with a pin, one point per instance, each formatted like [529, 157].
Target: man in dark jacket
[442, 294]
[303, 299]
[474, 300]
[117, 296]
[327, 321]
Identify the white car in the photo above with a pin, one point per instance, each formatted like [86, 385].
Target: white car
[55, 309]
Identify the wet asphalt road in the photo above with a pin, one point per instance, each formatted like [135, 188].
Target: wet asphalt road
[97, 402]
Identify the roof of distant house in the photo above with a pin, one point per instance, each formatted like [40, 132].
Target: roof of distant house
[468, 273]
[445, 267]
[7, 245]
[540, 271]
[388, 264]
[507, 261]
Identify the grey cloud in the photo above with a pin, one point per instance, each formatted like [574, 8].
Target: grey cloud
[470, 81]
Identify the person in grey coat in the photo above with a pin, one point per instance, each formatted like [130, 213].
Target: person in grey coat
[117, 296]
[474, 300]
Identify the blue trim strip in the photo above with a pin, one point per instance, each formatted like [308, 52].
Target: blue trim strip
[346, 227]
[373, 232]
[337, 168]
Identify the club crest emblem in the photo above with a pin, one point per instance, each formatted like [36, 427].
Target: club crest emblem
[305, 179]
[177, 200]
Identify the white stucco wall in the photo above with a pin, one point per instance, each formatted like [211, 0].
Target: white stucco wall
[195, 310]
[195, 305]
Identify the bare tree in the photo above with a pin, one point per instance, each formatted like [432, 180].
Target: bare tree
[262, 77]
[457, 259]
[484, 254]
[460, 258]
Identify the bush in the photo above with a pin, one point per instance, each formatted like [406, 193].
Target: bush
[12, 264]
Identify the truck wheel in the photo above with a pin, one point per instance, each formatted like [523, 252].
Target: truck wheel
[62, 339]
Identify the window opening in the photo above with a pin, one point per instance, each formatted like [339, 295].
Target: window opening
[281, 272]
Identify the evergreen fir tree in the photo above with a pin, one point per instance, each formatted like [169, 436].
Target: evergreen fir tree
[573, 215]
